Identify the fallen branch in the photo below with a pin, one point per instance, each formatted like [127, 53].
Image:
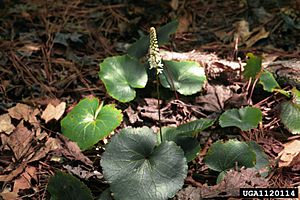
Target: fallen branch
[284, 71]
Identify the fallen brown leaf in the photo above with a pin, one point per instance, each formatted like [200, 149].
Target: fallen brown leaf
[8, 195]
[215, 98]
[83, 173]
[233, 181]
[20, 142]
[184, 22]
[132, 115]
[242, 30]
[290, 155]
[5, 124]
[24, 181]
[23, 111]
[51, 145]
[71, 151]
[54, 112]
[13, 174]
[258, 34]
[43, 101]
[189, 193]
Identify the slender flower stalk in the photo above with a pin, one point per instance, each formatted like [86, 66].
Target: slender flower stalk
[156, 63]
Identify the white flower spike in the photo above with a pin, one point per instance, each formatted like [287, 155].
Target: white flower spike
[155, 58]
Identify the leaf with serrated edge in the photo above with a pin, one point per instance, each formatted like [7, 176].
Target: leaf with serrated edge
[186, 77]
[121, 75]
[268, 81]
[245, 118]
[184, 136]
[88, 122]
[290, 116]
[138, 169]
[222, 156]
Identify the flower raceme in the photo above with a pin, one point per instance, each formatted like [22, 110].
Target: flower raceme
[155, 58]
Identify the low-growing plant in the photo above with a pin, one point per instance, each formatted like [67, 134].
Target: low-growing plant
[290, 110]
[139, 164]
[122, 74]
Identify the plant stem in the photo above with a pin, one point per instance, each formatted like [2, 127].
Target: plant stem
[158, 106]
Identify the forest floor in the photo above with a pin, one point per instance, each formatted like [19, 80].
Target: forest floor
[50, 53]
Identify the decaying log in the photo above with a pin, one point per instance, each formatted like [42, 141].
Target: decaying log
[284, 71]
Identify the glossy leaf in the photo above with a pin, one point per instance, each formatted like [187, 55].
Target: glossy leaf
[138, 169]
[89, 122]
[245, 118]
[186, 77]
[222, 156]
[253, 66]
[268, 81]
[141, 46]
[66, 186]
[290, 116]
[121, 75]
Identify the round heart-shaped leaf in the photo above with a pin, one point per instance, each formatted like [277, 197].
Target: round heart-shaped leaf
[88, 122]
[222, 156]
[245, 118]
[262, 161]
[189, 145]
[253, 66]
[138, 169]
[66, 186]
[120, 75]
[184, 136]
[295, 96]
[290, 116]
[268, 81]
[186, 77]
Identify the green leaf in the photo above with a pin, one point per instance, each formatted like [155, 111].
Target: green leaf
[186, 77]
[295, 96]
[245, 118]
[120, 75]
[290, 116]
[193, 128]
[66, 186]
[262, 161]
[138, 169]
[140, 47]
[268, 81]
[105, 195]
[221, 176]
[184, 136]
[89, 122]
[222, 156]
[253, 66]
[188, 144]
